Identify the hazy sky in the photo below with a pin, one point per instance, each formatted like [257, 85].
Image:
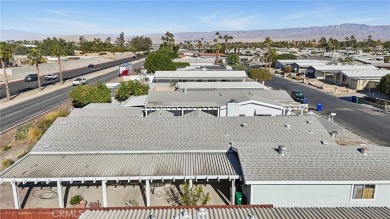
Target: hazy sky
[144, 17]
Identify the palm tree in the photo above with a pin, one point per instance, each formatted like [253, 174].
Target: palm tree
[323, 44]
[353, 40]
[270, 55]
[217, 36]
[217, 46]
[346, 41]
[5, 55]
[58, 50]
[226, 38]
[168, 39]
[199, 45]
[268, 42]
[35, 56]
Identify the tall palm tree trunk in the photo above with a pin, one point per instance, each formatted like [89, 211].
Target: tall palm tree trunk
[6, 81]
[60, 68]
[39, 78]
[216, 60]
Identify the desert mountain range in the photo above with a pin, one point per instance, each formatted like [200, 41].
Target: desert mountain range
[360, 31]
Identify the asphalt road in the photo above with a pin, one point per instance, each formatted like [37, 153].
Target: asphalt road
[23, 111]
[365, 122]
[22, 86]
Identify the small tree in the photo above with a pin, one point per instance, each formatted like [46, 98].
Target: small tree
[159, 61]
[75, 200]
[384, 84]
[233, 59]
[128, 88]
[260, 74]
[194, 196]
[84, 95]
[287, 70]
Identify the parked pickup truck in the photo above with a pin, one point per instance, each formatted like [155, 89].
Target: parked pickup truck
[50, 77]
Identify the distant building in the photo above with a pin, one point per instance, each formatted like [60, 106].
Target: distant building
[199, 76]
[223, 103]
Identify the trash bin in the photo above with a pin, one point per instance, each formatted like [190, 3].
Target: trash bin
[319, 107]
[238, 198]
[354, 99]
[357, 100]
[304, 101]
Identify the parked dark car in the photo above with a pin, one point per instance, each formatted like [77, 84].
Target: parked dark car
[31, 77]
[91, 66]
[298, 96]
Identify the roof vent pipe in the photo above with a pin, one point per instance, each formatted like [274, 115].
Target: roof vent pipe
[185, 90]
[334, 133]
[243, 125]
[288, 126]
[364, 151]
[282, 150]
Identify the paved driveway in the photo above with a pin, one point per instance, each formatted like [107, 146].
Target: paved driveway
[366, 122]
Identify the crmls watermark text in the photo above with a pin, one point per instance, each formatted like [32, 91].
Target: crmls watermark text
[66, 213]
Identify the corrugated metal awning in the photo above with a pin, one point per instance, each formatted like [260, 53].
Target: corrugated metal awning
[153, 165]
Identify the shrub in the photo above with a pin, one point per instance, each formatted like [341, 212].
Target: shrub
[34, 134]
[181, 64]
[128, 88]
[21, 134]
[6, 147]
[76, 199]
[22, 154]
[84, 95]
[384, 84]
[7, 163]
[232, 59]
[102, 53]
[260, 74]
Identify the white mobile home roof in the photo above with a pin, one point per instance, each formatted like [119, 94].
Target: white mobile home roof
[334, 67]
[125, 165]
[220, 85]
[113, 112]
[199, 74]
[372, 74]
[215, 98]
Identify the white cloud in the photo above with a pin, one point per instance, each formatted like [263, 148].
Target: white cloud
[231, 22]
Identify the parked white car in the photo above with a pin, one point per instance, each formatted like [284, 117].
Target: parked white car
[79, 81]
[51, 77]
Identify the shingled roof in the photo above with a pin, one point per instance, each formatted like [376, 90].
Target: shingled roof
[178, 133]
[263, 164]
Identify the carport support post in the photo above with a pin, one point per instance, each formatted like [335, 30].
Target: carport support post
[15, 194]
[147, 193]
[190, 183]
[104, 188]
[233, 192]
[59, 192]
